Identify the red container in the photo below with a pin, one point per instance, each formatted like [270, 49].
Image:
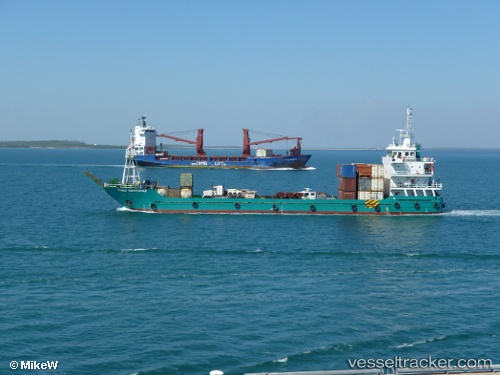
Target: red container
[347, 194]
[364, 170]
[347, 184]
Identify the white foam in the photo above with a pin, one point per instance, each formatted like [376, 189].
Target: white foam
[406, 345]
[409, 345]
[138, 249]
[284, 169]
[123, 209]
[473, 213]
[281, 360]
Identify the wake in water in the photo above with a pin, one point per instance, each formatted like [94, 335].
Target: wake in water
[139, 249]
[473, 213]
[419, 342]
[126, 209]
[284, 169]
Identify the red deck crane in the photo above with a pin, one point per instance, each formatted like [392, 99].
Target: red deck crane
[198, 142]
[246, 143]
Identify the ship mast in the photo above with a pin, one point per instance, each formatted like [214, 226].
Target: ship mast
[406, 135]
[130, 172]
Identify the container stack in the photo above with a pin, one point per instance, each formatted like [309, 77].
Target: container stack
[370, 181]
[347, 181]
[174, 192]
[186, 182]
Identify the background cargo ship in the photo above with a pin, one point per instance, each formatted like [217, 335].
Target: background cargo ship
[146, 153]
[403, 184]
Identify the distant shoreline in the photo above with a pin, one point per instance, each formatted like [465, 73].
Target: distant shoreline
[52, 144]
[83, 145]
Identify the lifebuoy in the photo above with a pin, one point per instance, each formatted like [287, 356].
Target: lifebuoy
[354, 208]
[436, 206]
[397, 205]
[313, 208]
[153, 206]
[237, 206]
[417, 205]
[195, 204]
[275, 207]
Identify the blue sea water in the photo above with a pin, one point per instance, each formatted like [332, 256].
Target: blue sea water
[105, 291]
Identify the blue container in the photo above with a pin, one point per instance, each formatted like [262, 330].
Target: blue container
[346, 170]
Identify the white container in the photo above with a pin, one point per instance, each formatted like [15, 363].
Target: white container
[377, 170]
[367, 195]
[264, 152]
[377, 184]
[364, 195]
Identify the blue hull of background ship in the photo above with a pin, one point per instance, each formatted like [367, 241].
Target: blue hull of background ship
[295, 162]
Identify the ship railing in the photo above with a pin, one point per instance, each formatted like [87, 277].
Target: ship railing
[486, 369]
[416, 185]
[406, 172]
[404, 158]
[327, 372]
[399, 173]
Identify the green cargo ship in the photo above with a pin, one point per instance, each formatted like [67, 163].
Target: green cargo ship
[403, 184]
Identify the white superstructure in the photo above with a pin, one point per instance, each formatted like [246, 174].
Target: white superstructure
[143, 138]
[406, 172]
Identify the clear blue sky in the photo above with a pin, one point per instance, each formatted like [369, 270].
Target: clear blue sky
[337, 73]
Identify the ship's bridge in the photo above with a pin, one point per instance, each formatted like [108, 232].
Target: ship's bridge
[144, 139]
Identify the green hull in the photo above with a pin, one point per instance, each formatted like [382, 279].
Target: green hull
[148, 200]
